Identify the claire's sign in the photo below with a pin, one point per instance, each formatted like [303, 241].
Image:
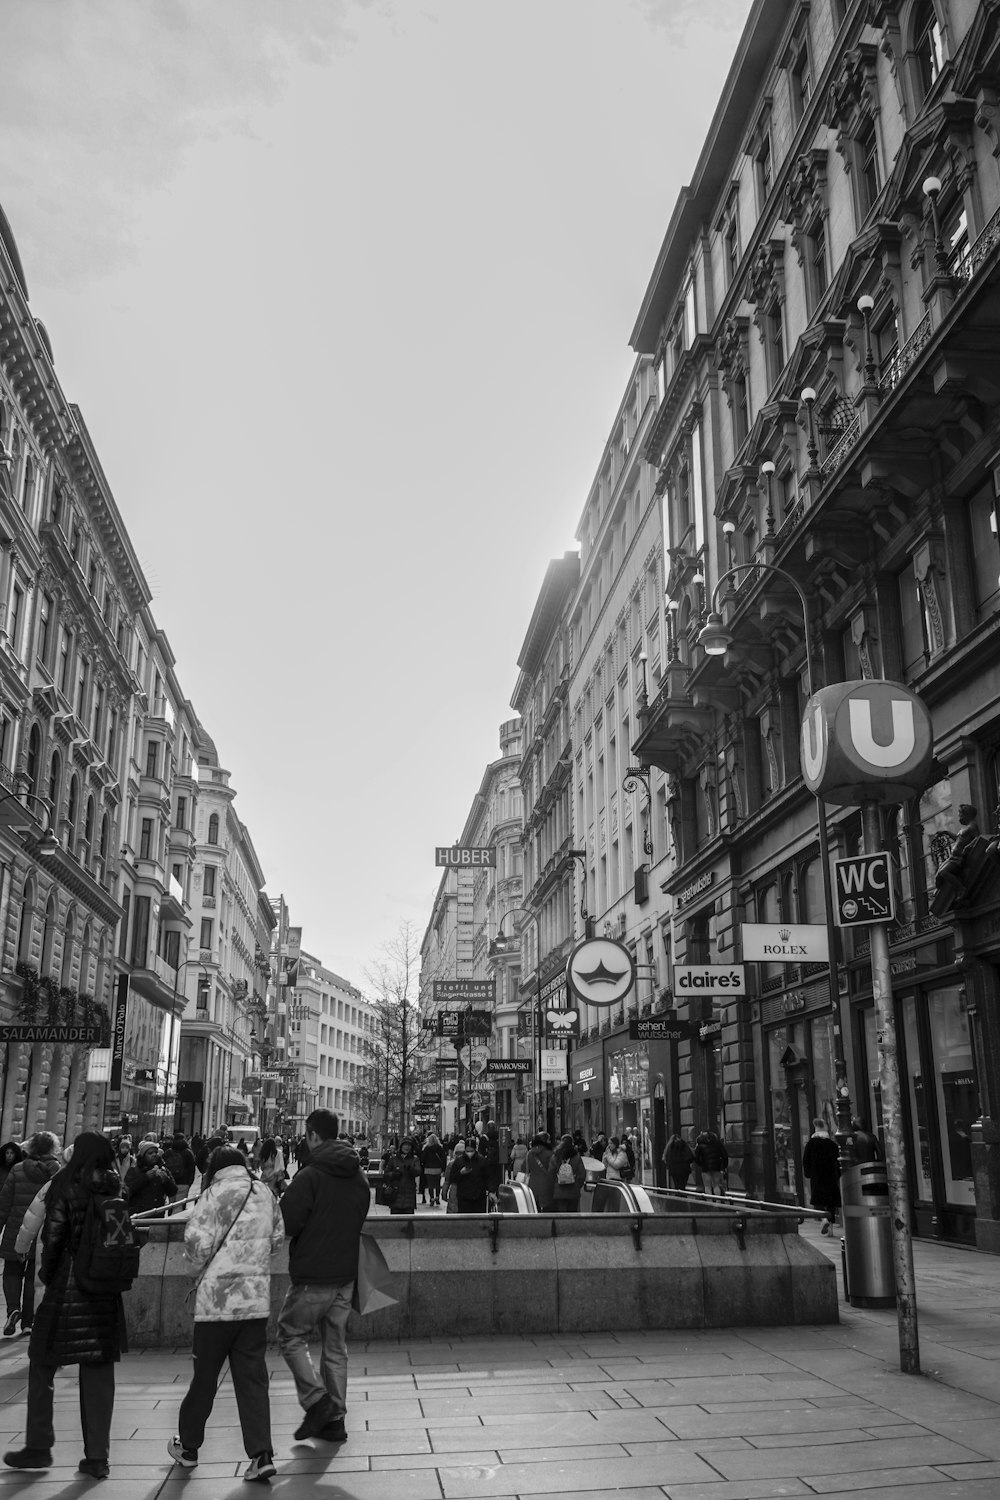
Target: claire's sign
[700, 979]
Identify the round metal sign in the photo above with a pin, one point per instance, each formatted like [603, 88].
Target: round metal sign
[866, 741]
[600, 971]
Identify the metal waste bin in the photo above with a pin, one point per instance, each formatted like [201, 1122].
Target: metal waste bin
[869, 1276]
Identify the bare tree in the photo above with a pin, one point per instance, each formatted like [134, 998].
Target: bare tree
[392, 983]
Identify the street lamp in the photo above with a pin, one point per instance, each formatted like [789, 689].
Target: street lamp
[48, 844]
[866, 306]
[716, 639]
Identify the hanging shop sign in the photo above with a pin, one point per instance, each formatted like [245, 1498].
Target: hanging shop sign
[509, 1067]
[465, 1023]
[866, 741]
[553, 1066]
[601, 971]
[24, 1031]
[452, 990]
[785, 942]
[562, 1024]
[464, 857]
[662, 1029]
[118, 1033]
[701, 979]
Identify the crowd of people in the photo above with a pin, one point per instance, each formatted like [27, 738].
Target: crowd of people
[71, 1217]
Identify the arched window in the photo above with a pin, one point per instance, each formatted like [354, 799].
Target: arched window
[85, 958]
[48, 935]
[28, 489]
[24, 933]
[213, 829]
[55, 776]
[67, 953]
[928, 45]
[105, 828]
[88, 822]
[34, 761]
[101, 981]
[71, 811]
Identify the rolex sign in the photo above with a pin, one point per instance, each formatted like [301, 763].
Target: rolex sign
[866, 741]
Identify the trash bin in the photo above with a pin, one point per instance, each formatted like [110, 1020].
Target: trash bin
[869, 1276]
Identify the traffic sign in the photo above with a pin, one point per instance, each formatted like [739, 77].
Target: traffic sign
[863, 890]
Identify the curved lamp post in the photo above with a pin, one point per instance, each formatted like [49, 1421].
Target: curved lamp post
[716, 639]
[48, 844]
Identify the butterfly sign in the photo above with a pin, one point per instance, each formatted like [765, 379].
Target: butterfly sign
[562, 1023]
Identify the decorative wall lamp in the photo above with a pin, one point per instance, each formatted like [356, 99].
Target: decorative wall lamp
[866, 305]
[931, 189]
[808, 397]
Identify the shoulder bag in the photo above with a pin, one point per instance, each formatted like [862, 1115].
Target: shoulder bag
[192, 1290]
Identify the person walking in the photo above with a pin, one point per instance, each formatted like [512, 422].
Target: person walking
[489, 1150]
[821, 1164]
[518, 1156]
[467, 1175]
[712, 1159]
[233, 1231]
[433, 1160]
[864, 1145]
[567, 1175]
[272, 1166]
[678, 1158]
[179, 1161]
[323, 1209]
[536, 1165]
[148, 1184]
[23, 1181]
[72, 1327]
[401, 1173]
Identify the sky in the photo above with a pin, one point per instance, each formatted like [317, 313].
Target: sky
[344, 290]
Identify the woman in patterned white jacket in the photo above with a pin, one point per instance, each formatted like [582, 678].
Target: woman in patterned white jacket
[234, 1229]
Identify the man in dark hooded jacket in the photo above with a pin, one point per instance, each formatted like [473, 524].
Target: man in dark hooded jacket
[324, 1207]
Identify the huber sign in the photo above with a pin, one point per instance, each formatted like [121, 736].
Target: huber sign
[464, 857]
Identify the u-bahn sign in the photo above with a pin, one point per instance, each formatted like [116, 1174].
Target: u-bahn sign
[866, 741]
[600, 971]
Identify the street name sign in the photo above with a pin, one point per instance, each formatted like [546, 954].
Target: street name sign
[464, 857]
[863, 890]
[660, 1029]
[464, 989]
[700, 979]
[785, 943]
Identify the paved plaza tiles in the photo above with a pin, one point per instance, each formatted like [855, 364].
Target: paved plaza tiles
[723, 1415]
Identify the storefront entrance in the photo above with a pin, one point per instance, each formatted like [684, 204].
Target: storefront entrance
[801, 1088]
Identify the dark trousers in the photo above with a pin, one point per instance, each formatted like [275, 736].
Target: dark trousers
[97, 1404]
[19, 1287]
[244, 1344]
[680, 1180]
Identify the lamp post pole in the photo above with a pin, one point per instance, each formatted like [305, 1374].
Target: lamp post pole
[716, 640]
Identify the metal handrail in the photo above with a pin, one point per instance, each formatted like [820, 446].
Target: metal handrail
[738, 1205]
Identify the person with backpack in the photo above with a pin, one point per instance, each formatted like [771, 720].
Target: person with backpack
[178, 1158]
[568, 1174]
[234, 1230]
[24, 1179]
[712, 1160]
[74, 1326]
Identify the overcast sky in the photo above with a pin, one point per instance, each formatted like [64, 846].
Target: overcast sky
[344, 292]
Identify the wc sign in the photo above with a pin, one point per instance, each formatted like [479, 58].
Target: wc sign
[866, 741]
[863, 890]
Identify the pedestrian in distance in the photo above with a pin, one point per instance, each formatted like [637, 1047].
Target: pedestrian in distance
[233, 1231]
[10, 1155]
[712, 1160]
[615, 1160]
[864, 1146]
[178, 1158]
[678, 1158]
[324, 1210]
[467, 1175]
[536, 1166]
[821, 1164]
[73, 1327]
[401, 1176]
[23, 1181]
[567, 1174]
[124, 1156]
[272, 1166]
[490, 1151]
[518, 1156]
[148, 1184]
[433, 1159]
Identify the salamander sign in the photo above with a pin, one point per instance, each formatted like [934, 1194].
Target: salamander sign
[26, 1032]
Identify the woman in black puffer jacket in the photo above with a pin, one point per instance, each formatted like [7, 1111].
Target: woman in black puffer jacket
[70, 1327]
[16, 1197]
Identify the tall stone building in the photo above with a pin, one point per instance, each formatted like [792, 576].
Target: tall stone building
[822, 317]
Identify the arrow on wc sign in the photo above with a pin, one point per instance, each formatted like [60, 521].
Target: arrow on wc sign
[863, 890]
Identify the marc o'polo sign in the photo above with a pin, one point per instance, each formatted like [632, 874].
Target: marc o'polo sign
[704, 979]
[464, 857]
[785, 943]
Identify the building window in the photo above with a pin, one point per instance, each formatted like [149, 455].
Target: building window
[112, 737]
[869, 174]
[913, 622]
[44, 626]
[16, 608]
[140, 932]
[98, 712]
[83, 676]
[33, 764]
[213, 829]
[741, 412]
[765, 170]
[123, 931]
[65, 656]
[928, 46]
[774, 344]
[209, 886]
[800, 81]
[731, 242]
[816, 274]
[206, 932]
[181, 819]
[146, 839]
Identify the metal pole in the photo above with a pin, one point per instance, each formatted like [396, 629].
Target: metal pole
[892, 1117]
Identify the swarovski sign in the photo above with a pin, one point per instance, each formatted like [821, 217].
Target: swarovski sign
[785, 943]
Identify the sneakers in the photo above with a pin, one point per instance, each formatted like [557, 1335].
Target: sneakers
[333, 1432]
[95, 1467]
[824, 1228]
[186, 1457]
[260, 1467]
[10, 1327]
[315, 1419]
[28, 1458]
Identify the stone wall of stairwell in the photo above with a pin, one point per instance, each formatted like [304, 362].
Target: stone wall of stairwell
[546, 1274]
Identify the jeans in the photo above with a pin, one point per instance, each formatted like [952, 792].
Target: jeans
[97, 1404]
[712, 1183]
[19, 1288]
[324, 1307]
[244, 1344]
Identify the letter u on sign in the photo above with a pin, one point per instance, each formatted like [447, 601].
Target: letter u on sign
[904, 734]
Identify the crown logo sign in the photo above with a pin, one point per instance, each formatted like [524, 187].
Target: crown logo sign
[784, 933]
